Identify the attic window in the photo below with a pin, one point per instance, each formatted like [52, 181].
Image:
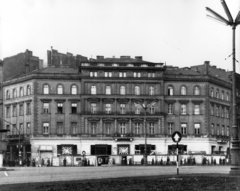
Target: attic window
[100, 64]
[144, 65]
[129, 65]
[114, 64]
[158, 65]
[85, 64]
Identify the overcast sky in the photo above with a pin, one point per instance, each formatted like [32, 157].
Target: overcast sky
[173, 31]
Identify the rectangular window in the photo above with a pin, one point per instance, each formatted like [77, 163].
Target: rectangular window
[108, 74]
[183, 109]
[184, 128]
[170, 128]
[227, 113]
[170, 108]
[223, 128]
[59, 107]
[227, 130]
[137, 128]
[152, 109]
[122, 74]
[59, 128]
[28, 130]
[151, 75]
[14, 111]
[21, 110]
[14, 129]
[93, 108]
[137, 74]
[7, 111]
[74, 127]
[196, 109]
[108, 128]
[212, 128]
[21, 128]
[151, 128]
[217, 111]
[218, 130]
[122, 108]
[122, 128]
[45, 107]
[93, 74]
[93, 127]
[197, 128]
[108, 108]
[45, 128]
[28, 112]
[212, 110]
[74, 107]
[137, 110]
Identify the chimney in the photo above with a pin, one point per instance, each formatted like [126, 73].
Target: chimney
[27, 64]
[206, 63]
[139, 58]
[100, 57]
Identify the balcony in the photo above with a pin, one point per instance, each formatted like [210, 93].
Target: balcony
[15, 137]
[122, 114]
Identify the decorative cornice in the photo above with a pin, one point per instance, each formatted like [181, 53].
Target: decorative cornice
[93, 119]
[108, 100]
[59, 100]
[46, 100]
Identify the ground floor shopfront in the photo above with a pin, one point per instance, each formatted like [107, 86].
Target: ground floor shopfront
[79, 151]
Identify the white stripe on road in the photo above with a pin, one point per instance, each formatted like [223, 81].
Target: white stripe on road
[5, 173]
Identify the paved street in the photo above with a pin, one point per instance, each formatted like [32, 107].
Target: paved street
[48, 174]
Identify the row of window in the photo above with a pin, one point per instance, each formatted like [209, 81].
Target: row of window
[122, 74]
[14, 130]
[217, 95]
[21, 92]
[219, 111]
[183, 109]
[183, 90]
[108, 90]
[20, 110]
[216, 130]
[60, 89]
[116, 65]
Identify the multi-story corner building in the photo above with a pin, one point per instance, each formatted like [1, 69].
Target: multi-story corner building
[78, 106]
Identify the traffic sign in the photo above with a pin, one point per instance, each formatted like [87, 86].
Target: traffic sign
[176, 137]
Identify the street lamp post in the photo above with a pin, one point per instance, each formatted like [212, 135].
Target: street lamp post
[235, 150]
[19, 144]
[145, 106]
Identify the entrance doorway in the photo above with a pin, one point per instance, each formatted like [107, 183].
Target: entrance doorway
[124, 160]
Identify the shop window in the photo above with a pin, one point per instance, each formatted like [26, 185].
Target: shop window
[140, 149]
[101, 149]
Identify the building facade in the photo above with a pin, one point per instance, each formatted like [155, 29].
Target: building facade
[78, 106]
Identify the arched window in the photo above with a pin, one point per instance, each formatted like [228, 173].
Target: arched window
[7, 94]
[227, 97]
[137, 90]
[28, 90]
[108, 90]
[151, 90]
[222, 95]
[21, 91]
[60, 89]
[93, 90]
[183, 90]
[74, 90]
[170, 90]
[46, 89]
[122, 90]
[217, 93]
[211, 92]
[196, 90]
[14, 93]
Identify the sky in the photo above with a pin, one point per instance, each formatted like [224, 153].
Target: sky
[175, 32]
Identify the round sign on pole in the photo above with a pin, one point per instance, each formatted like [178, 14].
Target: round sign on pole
[176, 137]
